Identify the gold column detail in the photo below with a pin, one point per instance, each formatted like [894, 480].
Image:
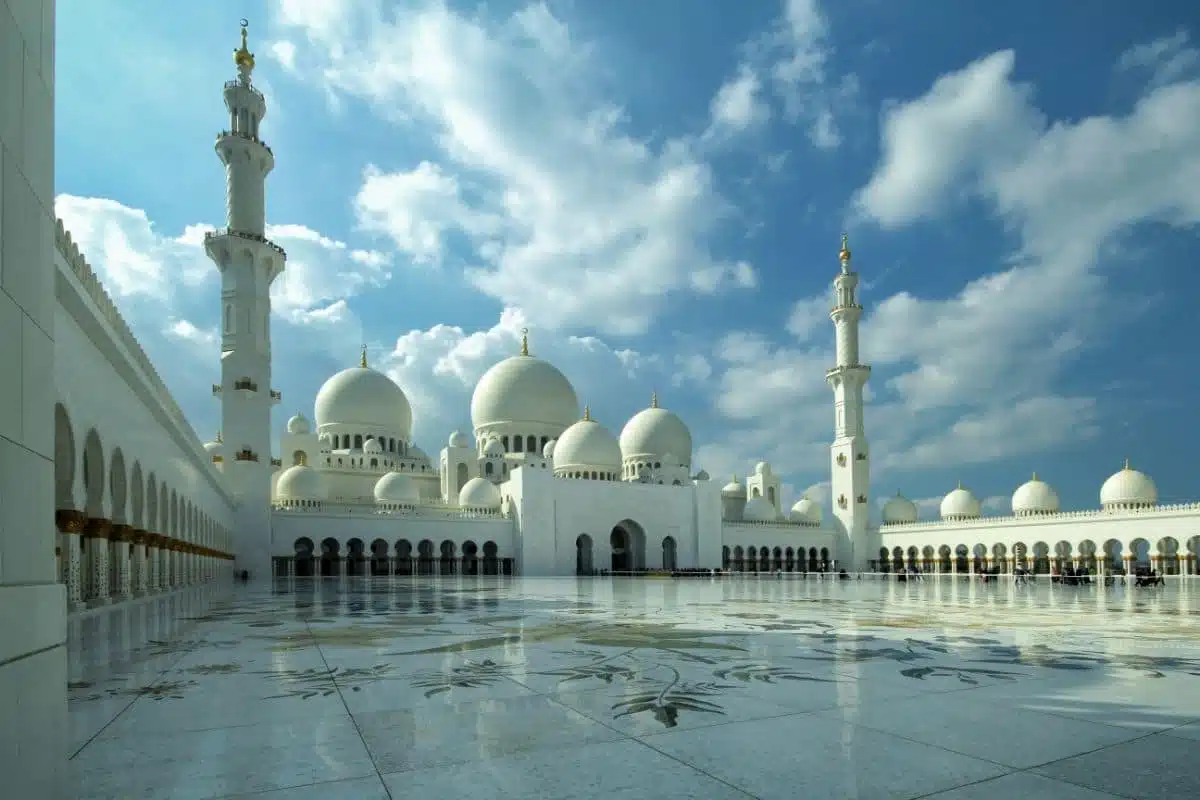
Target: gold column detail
[97, 528]
[69, 521]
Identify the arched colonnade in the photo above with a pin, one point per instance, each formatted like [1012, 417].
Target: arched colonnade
[328, 558]
[1167, 555]
[123, 530]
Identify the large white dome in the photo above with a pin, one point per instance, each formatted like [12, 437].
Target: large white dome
[1034, 497]
[589, 444]
[524, 389]
[396, 487]
[300, 483]
[961, 504]
[806, 510]
[899, 510]
[479, 493]
[362, 396]
[1128, 489]
[759, 510]
[656, 431]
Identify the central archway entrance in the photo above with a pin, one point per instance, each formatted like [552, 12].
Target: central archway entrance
[583, 555]
[628, 542]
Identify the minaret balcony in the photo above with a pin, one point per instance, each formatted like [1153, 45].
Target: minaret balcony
[247, 137]
[276, 396]
[246, 85]
[252, 237]
[276, 462]
[217, 389]
[245, 385]
[246, 454]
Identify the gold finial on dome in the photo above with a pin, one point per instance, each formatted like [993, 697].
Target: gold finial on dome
[242, 56]
[1127, 467]
[844, 253]
[524, 341]
[363, 361]
[960, 484]
[1035, 477]
[654, 399]
[587, 413]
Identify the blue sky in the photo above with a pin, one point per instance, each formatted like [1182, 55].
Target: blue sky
[656, 189]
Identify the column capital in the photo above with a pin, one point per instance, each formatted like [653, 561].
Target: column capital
[97, 528]
[68, 520]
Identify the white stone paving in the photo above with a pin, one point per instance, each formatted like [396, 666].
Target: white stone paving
[692, 688]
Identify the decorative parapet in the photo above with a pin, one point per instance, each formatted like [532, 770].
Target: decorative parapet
[246, 454]
[1093, 515]
[425, 509]
[108, 310]
[774, 523]
[245, 385]
[252, 237]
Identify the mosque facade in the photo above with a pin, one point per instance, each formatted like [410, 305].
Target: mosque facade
[540, 487]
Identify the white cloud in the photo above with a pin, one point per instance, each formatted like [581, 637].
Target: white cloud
[738, 105]
[569, 217]
[1166, 59]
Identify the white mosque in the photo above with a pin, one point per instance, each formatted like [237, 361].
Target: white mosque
[539, 487]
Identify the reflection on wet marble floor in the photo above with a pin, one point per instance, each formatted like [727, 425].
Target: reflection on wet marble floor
[565, 688]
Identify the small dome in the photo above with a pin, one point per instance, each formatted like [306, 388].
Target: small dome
[298, 425]
[806, 510]
[899, 510]
[479, 493]
[493, 449]
[734, 488]
[548, 450]
[396, 487]
[701, 476]
[762, 468]
[1034, 497]
[524, 389]
[1128, 489]
[655, 432]
[459, 439]
[362, 396]
[300, 483]
[587, 443]
[961, 504]
[372, 445]
[759, 510]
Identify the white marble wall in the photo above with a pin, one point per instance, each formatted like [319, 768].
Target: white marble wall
[32, 601]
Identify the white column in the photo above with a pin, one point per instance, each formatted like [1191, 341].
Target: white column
[121, 545]
[98, 551]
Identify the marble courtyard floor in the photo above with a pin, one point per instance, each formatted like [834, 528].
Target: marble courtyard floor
[562, 688]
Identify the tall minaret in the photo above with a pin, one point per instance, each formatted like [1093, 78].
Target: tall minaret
[850, 456]
[248, 262]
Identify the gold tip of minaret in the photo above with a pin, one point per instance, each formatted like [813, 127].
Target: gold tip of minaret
[844, 253]
[524, 341]
[242, 56]
[362, 362]
[587, 413]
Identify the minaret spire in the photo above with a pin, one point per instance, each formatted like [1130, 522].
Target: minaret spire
[248, 262]
[851, 478]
